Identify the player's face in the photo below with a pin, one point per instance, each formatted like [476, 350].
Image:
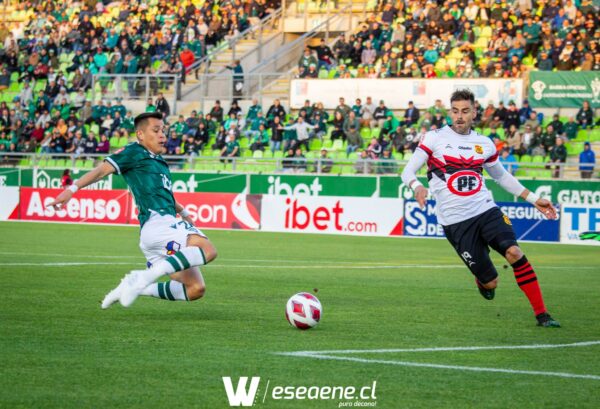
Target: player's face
[462, 114]
[152, 136]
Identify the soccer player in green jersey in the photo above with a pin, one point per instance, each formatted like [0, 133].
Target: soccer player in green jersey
[172, 246]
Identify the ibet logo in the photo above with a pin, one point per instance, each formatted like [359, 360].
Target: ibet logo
[246, 394]
[278, 188]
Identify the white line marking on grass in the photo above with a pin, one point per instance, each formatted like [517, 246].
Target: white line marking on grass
[328, 355]
[445, 349]
[67, 264]
[454, 367]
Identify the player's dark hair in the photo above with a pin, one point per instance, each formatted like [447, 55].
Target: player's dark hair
[462, 95]
[141, 119]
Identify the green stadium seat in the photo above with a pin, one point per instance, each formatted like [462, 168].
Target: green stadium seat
[315, 144]
[278, 154]
[257, 154]
[365, 133]
[123, 142]
[525, 158]
[338, 145]
[538, 161]
[375, 132]
[268, 153]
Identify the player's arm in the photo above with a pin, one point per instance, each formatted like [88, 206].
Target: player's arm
[185, 215]
[409, 176]
[509, 183]
[99, 172]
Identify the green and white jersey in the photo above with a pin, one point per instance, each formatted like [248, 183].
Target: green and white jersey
[148, 177]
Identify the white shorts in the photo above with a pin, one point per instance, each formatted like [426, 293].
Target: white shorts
[163, 236]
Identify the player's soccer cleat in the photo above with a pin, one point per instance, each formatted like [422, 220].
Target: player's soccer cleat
[113, 296]
[545, 320]
[485, 293]
[133, 284]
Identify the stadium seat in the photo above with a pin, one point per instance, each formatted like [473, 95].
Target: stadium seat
[278, 154]
[365, 133]
[375, 132]
[538, 161]
[257, 154]
[525, 159]
[315, 144]
[338, 145]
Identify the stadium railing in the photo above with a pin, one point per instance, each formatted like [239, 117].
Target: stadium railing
[248, 58]
[136, 87]
[338, 163]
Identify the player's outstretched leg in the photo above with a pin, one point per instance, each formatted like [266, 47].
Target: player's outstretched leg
[200, 251]
[528, 283]
[186, 285]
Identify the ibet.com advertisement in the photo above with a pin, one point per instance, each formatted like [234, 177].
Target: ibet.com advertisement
[332, 215]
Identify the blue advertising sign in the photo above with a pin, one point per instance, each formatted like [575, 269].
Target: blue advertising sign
[528, 223]
[421, 223]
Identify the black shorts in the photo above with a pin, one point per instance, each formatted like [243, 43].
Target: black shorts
[471, 238]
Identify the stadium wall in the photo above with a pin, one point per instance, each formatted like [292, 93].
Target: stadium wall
[559, 191]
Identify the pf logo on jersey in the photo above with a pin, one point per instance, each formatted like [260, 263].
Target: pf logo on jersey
[465, 183]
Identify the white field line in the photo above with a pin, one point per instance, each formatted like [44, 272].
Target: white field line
[327, 355]
[223, 264]
[453, 367]
[67, 264]
[443, 349]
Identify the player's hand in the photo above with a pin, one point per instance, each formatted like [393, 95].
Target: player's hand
[421, 196]
[546, 208]
[61, 200]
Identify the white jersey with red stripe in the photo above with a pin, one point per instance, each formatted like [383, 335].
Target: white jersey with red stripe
[455, 173]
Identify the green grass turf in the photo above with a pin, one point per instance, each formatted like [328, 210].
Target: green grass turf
[58, 349]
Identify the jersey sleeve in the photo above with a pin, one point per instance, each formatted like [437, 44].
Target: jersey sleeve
[427, 142]
[122, 160]
[492, 159]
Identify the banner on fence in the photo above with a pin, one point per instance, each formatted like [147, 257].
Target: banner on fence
[9, 202]
[527, 221]
[332, 215]
[564, 89]
[88, 206]
[576, 220]
[217, 210]
[397, 92]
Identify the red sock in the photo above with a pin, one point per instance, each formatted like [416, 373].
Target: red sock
[528, 282]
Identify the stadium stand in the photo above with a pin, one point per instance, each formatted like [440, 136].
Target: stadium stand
[50, 53]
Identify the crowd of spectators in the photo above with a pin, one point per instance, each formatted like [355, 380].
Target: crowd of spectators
[52, 106]
[462, 39]
[58, 118]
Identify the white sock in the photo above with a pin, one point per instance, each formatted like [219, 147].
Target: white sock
[170, 290]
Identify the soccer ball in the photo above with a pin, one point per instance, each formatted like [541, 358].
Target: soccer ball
[303, 311]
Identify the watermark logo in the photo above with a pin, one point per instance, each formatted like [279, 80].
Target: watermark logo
[241, 396]
[344, 396]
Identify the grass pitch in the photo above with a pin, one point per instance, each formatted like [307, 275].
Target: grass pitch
[58, 349]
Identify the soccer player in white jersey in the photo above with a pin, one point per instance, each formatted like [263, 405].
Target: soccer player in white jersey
[456, 156]
[172, 246]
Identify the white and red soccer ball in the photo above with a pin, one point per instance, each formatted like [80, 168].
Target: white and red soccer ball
[303, 310]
